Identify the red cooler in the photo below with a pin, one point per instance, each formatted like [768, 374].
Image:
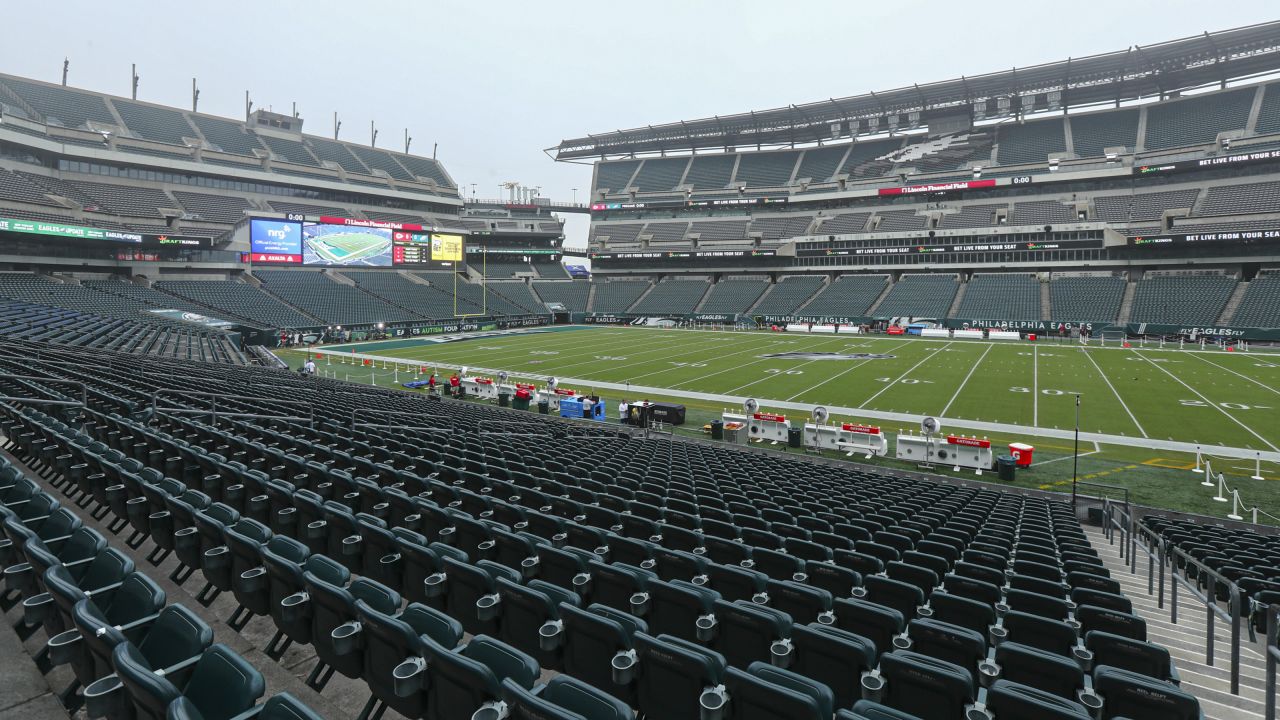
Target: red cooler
[1021, 453]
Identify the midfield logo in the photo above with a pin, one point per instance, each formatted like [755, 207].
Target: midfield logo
[827, 356]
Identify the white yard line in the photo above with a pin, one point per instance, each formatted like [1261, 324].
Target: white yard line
[740, 367]
[1096, 449]
[511, 354]
[666, 347]
[756, 347]
[1035, 385]
[840, 374]
[966, 380]
[1215, 405]
[768, 377]
[906, 418]
[1239, 375]
[926, 359]
[1107, 380]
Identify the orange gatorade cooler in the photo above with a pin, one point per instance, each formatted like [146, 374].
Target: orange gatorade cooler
[1021, 453]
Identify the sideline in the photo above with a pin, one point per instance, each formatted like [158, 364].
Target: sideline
[909, 419]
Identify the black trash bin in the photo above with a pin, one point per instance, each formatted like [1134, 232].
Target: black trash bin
[795, 437]
[544, 407]
[1007, 467]
[504, 399]
[717, 429]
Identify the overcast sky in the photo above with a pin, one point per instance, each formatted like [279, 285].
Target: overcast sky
[494, 83]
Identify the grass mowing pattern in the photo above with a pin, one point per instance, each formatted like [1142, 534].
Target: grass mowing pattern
[1133, 392]
[1209, 397]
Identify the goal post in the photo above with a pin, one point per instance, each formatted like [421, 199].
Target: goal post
[1113, 337]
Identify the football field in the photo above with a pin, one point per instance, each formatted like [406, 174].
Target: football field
[348, 247]
[1145, 394]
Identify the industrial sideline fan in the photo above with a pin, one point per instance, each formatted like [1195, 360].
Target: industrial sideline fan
[820, 414]
[751, 406]
[930, 426]
[552, 383]
[502, 376]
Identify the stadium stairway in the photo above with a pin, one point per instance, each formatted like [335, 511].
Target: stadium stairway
[825, 282]
[763, 295]
[1186, 641]
[1046, 302]
[1233, 303]
[340, 278]
[643, 295]
[955, 304]
[285, 674]
[883, 294]
[1126, 304]
[703, 300]
[591, 297]
[251, 280]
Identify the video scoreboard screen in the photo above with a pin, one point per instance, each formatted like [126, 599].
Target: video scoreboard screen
[346, 242]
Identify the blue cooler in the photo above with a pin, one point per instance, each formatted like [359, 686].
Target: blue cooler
[571, 407]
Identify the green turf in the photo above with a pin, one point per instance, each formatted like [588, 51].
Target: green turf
[1209, 398]
[346, 247]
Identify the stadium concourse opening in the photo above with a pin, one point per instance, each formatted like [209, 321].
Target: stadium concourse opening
[929, 402]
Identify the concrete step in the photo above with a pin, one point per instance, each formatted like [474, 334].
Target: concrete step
[1185, 640]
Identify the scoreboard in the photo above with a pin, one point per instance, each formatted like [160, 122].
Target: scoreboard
[410, 248]
[333, 241]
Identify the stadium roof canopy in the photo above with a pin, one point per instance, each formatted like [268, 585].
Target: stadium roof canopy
[1138, 72]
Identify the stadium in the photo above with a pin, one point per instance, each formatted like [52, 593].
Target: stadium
[952, 400]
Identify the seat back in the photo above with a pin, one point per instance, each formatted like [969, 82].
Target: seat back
[137, 597]
[745, 632]
[1041, 669]
[874, 622]
[1011, 701]
[952, 643]
[614, 584]
[563, 698]
[901, 596]
[926, 687]
[833, 657]
[463, 681]
[150, 693]
[389, 640]
[752, 697]
[734, 582]
[1055, 636]
[223, 684]
[1129, 654]
[1138, 697]
[962, 611]
[591, 640]
[804, 603]
[672, 675]
[1092, 618]
[674, 608]
[525, 609]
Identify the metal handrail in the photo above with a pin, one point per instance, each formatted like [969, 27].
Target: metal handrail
[388, 414]
[1273, 657]
[1110, 524]
[1232, 614]
[1155, 550]
[213, 412]
[84, 389]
